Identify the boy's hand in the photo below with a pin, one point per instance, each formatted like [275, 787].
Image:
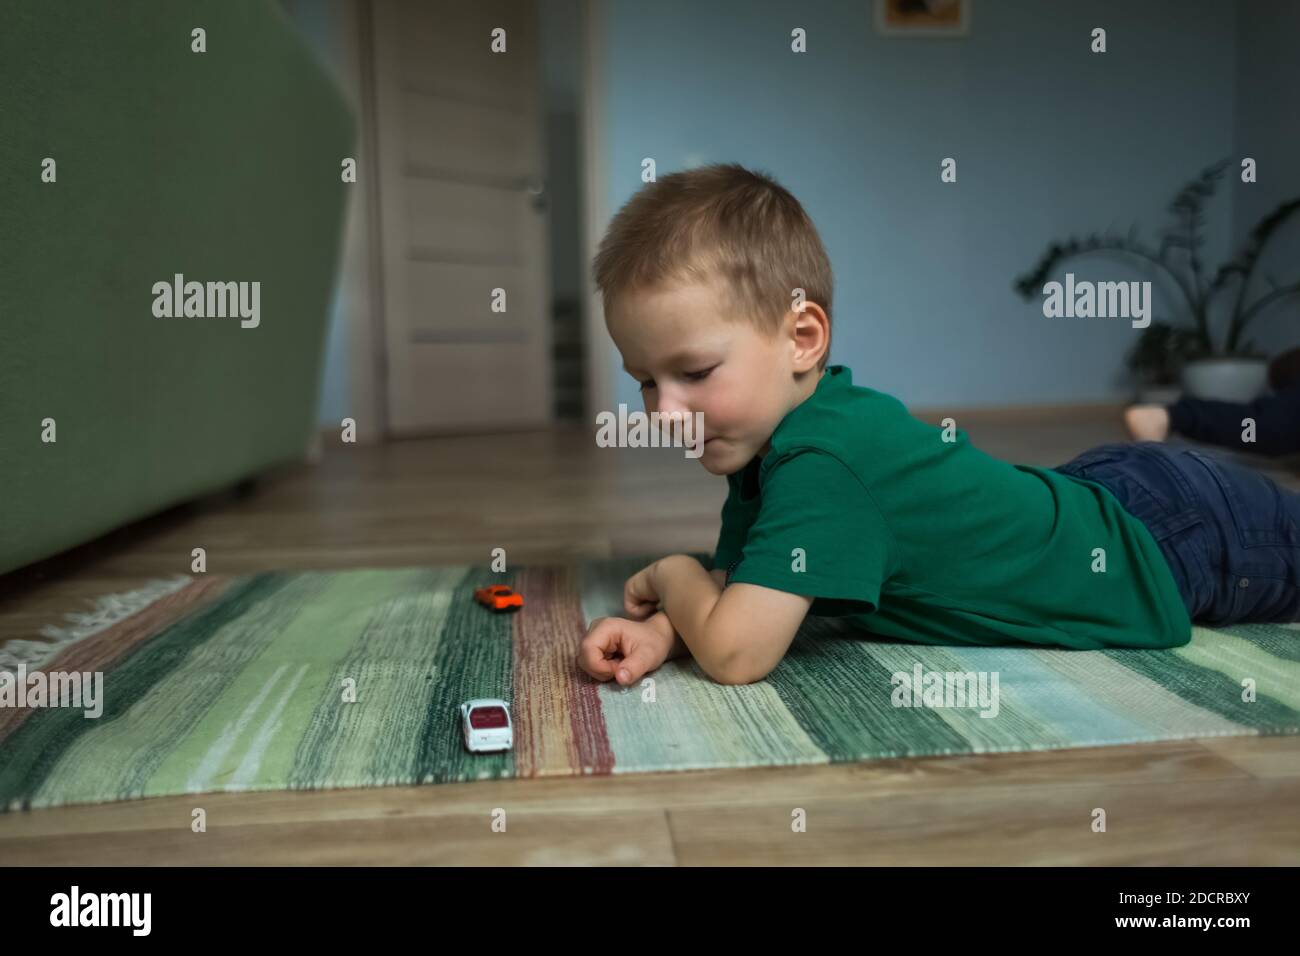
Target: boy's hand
[640, 594]
[622, 650]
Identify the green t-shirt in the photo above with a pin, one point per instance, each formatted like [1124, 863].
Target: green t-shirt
[937, 542]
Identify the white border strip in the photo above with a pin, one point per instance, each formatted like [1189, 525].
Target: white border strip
[109, 610]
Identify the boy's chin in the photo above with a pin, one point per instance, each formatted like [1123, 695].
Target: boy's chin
[719, 462]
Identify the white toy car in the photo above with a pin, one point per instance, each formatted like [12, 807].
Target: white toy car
[486, 724]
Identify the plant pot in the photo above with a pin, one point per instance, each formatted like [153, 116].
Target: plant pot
[1226, 379]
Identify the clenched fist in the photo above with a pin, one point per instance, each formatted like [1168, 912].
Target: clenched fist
[640, 599]
[623, 650]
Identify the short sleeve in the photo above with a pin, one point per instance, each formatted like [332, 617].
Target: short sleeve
[819, 533]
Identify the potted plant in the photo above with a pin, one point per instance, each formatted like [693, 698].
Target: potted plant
[1157, 359]
[1228, 370]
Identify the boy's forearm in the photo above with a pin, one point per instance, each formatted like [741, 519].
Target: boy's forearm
[688, 593]
[679, 648]
[665, 624]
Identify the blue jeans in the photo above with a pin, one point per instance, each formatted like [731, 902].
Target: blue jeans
[1231, 536]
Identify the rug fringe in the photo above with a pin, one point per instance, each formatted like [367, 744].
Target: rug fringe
[109, 610]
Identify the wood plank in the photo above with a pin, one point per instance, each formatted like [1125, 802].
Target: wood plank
[529, 839]
[1265, 758]
[1216, 823]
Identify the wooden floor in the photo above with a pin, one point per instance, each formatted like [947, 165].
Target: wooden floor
[548, 496]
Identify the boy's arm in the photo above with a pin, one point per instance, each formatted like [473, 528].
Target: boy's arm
[665, 626]
[738, 635]
[660, 620]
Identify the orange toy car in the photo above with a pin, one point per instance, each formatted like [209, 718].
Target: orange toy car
[499, 598]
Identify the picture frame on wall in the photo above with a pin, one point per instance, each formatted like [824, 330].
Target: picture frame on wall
[923, 18]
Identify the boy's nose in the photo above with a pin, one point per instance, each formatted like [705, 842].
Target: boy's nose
[670, 406]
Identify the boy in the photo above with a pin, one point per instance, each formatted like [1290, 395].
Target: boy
[718, 296]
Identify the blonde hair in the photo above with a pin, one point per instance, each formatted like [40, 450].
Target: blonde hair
[718, 222]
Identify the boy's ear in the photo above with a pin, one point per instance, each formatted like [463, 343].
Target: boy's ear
[811, 333]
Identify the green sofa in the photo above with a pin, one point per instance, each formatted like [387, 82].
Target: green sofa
[222, 166]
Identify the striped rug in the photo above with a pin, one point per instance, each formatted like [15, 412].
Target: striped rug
[224, 684]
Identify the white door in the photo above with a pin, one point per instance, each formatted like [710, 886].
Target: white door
[462, 213]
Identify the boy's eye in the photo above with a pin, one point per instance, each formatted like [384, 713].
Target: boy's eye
[693, 376]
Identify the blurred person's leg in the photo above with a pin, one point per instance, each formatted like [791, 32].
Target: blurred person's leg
[1276, 418]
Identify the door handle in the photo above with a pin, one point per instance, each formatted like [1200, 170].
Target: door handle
[537, 190]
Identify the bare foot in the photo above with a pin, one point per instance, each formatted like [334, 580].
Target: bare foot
[1147, 422]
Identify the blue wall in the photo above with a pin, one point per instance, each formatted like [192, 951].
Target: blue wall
[1268, 130]
[1050, 140]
